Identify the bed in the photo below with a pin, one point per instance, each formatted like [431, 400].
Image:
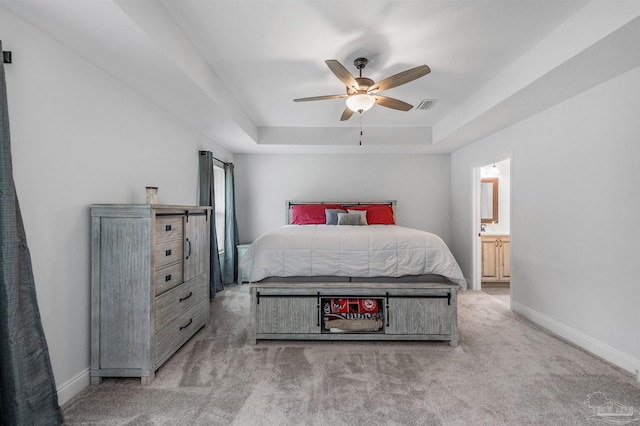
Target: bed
[323, 277]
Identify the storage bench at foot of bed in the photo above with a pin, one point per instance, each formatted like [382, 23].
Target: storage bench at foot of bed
[408, 311]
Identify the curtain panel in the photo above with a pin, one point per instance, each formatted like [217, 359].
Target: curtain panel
[207, 198]
[28, 393]
[231, 239]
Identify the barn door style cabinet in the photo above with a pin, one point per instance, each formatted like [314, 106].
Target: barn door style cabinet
[149, 285]
[411, 311]
[495, 259]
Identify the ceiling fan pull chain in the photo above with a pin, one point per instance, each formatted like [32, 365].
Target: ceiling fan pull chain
[361, 128]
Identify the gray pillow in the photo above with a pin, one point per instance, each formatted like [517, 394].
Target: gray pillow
[332, 215]
[363, 215]
[349, 219]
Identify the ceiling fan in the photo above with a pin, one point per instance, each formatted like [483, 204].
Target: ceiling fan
[362, 91]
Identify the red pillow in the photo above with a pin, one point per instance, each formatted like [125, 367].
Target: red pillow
[311, 214]
[378, 214]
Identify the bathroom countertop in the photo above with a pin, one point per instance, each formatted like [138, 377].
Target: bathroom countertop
[493, 233]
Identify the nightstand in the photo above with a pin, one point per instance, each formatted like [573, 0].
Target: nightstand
[243, 276]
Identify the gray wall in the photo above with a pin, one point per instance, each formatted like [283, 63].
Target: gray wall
[419, 182]
[575, 216]
[80, 137]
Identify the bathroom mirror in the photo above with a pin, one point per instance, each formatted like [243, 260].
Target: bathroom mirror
[489, 200]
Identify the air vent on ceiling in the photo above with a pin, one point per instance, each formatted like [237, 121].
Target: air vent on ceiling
[426, 104]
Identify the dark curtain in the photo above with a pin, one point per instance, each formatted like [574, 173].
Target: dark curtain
[207, 198]
[28, 390]
[231, 228]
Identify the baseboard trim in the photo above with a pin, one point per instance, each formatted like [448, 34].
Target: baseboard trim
[588, 343]
[73, 386]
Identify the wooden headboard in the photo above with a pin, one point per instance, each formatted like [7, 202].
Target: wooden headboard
[289, 204]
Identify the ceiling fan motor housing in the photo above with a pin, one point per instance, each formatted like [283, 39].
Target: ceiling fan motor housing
[360, 63]
[363, 83]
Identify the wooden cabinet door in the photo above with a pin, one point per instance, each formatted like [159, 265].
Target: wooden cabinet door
[496, 259]
[419, 316]
[122, 316]
[196, 245]
[287, 315]
[505, 260]
[489, 259]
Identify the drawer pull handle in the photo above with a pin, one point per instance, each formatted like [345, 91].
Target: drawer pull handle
[167, 278]
[182, 299]
[167, 252]
[189, 254]
[186, 325]
[167, 228]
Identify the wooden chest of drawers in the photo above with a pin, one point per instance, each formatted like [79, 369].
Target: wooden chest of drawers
[149, 285]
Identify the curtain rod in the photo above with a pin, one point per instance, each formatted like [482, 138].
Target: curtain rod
[214, 158]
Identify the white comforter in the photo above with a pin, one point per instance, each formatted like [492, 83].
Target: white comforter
[349, 251]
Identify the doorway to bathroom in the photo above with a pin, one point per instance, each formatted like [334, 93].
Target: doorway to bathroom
[492, 229]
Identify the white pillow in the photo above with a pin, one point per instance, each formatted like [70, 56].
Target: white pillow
[362, 213]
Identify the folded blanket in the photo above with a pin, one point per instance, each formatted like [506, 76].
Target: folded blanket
[354, 325]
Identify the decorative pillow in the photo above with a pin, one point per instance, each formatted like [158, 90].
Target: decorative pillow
[310, 214]
[362, 213]
[349, 219]
[377, 214]
[332, 215]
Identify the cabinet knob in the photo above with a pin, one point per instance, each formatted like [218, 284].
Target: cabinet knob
[167, 278]
[167, 252]
[167, 228]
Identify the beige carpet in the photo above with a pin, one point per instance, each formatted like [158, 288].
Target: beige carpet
[505, 371]
[500, 292]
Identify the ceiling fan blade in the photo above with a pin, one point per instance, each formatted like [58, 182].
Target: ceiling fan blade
[343, 74]
[346, 114]
[400, 78]
[319, 98]
[392, 103]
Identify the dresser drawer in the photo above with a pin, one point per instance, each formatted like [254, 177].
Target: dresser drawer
[173, 303]
[167, 228]
[167, 253]
[167, 278]
[179, 331]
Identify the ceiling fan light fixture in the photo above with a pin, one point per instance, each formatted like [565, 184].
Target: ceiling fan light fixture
[360, 102]
[362, 92]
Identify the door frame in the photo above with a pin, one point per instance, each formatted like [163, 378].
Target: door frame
[476, 247]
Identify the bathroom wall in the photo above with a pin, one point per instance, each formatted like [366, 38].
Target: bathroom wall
[504, 193]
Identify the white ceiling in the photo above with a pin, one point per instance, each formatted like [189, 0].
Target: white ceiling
[232, 68]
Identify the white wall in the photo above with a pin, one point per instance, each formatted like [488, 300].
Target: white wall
[80, 137]
[575, 209]
[419, 182]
